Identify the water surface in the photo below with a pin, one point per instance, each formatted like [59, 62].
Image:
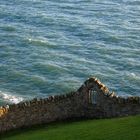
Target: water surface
[50, 47]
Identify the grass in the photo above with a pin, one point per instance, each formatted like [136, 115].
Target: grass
[127, 128]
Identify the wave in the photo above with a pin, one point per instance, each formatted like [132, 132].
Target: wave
[10, 98]
[8, 28]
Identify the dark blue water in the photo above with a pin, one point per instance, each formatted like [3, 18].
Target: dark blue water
[52, 46]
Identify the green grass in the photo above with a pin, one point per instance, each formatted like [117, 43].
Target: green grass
[127, 128]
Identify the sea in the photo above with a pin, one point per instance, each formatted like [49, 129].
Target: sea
[50, 47]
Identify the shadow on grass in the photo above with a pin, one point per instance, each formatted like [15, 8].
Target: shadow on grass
[120, 127]
[46, 126]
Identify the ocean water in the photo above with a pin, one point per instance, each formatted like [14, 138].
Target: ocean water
[50, 47]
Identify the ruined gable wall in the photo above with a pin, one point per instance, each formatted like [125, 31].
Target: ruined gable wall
[91, 100]
[108, 103]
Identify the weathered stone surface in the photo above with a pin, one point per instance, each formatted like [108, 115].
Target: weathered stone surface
[91, 100]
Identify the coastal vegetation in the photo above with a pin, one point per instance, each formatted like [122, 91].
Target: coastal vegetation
[127, 128]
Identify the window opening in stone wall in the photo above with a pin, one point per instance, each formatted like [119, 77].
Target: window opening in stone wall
[94, 97]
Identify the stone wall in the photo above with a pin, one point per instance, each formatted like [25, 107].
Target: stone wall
[105, 104]
[91, 100]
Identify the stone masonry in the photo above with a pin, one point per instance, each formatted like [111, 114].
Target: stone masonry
[91, 100]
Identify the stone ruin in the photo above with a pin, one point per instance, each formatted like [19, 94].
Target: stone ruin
[91, 100]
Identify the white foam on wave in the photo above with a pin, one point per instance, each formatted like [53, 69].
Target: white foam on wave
[38, 40]
[133, 74]
[10, 98]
